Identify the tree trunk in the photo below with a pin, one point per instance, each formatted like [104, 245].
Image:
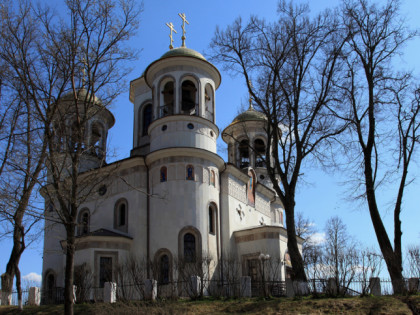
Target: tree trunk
[295, 256]
[68, 287]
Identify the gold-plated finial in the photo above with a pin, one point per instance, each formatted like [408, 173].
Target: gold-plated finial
[184, 20]
[250, 96]
[171, 26]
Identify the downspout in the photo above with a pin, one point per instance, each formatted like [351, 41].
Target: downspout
[221, 223]
[147, 222]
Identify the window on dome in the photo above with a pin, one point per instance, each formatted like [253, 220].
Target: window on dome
[167, 108]
[163, 174]
[96, 139]
[147, 119]
[209, 102]
[243, 154]
[212, 219]
[190, 172]
[188, 101]
[213, 178]
[259, 148]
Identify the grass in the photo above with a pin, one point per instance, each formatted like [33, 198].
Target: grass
[357, 305]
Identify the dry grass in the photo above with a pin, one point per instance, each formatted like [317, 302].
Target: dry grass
[366, 305]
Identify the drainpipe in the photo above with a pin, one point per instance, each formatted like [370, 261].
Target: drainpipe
[221, 222]
[147, 221]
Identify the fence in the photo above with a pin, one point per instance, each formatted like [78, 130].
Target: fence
[235, 288]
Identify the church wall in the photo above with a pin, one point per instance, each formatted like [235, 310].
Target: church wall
[178, 203]
[237, 213]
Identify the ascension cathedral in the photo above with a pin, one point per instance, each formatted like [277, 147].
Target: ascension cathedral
[175, 198]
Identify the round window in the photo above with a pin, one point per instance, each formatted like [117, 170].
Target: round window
[164, 127]
[262, 177]
[102, 190]
[190, 126]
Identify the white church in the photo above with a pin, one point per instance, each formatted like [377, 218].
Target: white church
[175, 197]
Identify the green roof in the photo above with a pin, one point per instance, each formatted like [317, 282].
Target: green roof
[183, 52]
[250, 114]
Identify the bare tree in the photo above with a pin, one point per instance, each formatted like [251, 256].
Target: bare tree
[413, 261]
[21, 134]
[61, 66]
[382, 113]
[292, 64]
[370, 266]
[340, 254]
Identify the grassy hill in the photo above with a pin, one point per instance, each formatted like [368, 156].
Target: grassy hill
[357, 305]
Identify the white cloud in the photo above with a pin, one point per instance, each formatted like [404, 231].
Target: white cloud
[317, 238]
[32, 277]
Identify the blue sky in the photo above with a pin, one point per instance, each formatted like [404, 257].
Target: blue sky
[322, 195]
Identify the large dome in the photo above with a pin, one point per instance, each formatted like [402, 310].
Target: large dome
[183, 52]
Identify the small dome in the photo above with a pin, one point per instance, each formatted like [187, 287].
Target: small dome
[250, 114]
[82, 94]
[183, 52]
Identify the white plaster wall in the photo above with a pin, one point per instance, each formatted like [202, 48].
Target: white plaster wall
[202, 136]
[178, 203]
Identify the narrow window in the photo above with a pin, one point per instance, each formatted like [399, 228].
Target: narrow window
[147, 119]
[211, 221]
[189, 92]
[190, 172]
[212, 178]
[243, 154]
[259, 148]
[251, 188]
[164, 269]
[163, 174]
[168, 100]
[83, 222]
[209, 102]
[49, 287]
[97, 145]
[105, 270]
[121, 215]
[189, 248]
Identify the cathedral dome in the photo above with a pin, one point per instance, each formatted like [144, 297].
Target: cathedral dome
[183, 52]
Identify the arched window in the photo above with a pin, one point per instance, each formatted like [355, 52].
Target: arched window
[83, 222]
[164, 269]
[97, 144]
[49, 287]
[121, 215]
[212, 219]
[251, 188]
[147, 119]
[189, 248]
[188, 100]
[163, 174]
[243, 154]
[167, 106]
[190, 172]
[212, 178]
[209, 102]
[259, 148]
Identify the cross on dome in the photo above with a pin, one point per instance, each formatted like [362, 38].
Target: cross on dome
[184, 20]
[171, 27]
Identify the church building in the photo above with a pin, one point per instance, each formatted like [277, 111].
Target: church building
[175, 197]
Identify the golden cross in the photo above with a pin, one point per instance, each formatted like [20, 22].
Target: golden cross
[171, 26]
[184, 20]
